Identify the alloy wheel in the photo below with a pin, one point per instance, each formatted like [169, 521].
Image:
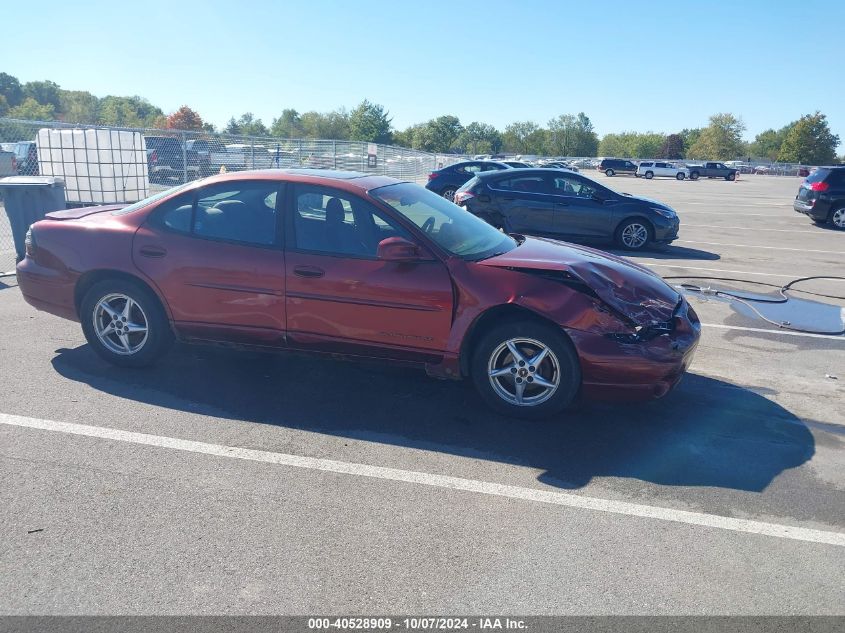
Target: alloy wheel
[449, 194]
[634, 235]
[524, 372]
[838, 218]
[120, 324]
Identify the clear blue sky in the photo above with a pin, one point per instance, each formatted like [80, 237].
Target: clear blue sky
[633, 65]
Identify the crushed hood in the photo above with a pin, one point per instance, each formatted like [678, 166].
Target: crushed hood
[627, 287]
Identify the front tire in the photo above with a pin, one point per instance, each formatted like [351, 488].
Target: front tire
[449, 193]
[509, 383]
[680, 175]
[634, 234]
[730, 177]
[124, 323]
[649, 175]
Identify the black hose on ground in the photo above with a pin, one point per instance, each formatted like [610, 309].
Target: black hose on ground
[747, 301]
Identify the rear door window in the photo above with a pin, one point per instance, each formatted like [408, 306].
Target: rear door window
[818, 175]
[527, 184]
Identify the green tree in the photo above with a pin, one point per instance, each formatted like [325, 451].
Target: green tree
[247, 125]
[767, 143]
[721, 140]
[572, 135]
[288, 125]
[369, 122]
[326, 125]
[127, 111]
[809, 141]
[44, 92]
[4, 105]
[437, 135]
[479, 138]
[78, 106]
[523, 137]
[614, 145]
[690, 136]
[31, 110]
[10, 88]
[672, 147]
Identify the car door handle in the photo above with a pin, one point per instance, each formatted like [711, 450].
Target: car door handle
[308, 271]
[152, 251]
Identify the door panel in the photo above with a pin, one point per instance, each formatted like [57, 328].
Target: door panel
[524, 201]
[577, 213]
[215, 289]
[340, 297]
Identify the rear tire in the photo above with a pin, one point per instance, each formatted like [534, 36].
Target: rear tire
[124, 323]
[559, 369]
[609, 172]
[449, 193]
[680, 175]
[837, 218]
[694, 175]
[649, 175]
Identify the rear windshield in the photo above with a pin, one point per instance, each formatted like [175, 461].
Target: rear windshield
[818, 175]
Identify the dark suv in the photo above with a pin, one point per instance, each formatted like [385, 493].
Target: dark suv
[613, 166]
[822, 196]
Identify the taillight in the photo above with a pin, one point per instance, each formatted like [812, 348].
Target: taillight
[14, 164]
[433, 175]
[463, 196]
[819, 186]
[154, 157]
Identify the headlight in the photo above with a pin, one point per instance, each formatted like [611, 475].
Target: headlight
[666, 213]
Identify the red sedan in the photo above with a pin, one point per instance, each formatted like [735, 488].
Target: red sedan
[365, 266]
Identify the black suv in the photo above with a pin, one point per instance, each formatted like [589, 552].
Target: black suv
[613, 166]
[822, 196]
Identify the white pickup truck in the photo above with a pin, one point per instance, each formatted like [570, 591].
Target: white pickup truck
[649, 169]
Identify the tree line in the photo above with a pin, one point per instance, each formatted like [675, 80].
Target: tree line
[807, 140]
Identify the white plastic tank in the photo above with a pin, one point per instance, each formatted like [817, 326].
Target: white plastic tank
[98, 166]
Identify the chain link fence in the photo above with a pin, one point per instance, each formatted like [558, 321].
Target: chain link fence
[106, 165]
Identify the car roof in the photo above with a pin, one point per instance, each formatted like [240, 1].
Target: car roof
[342, 179]
[512, 173]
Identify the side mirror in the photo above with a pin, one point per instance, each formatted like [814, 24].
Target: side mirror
[398, 249]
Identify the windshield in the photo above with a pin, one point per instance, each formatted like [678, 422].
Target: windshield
[454, 229]
[153, 198]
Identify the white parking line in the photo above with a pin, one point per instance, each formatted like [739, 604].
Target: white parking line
[721, 326]
[439, 481]
[753, 228]
[716, 270]
[771, 248]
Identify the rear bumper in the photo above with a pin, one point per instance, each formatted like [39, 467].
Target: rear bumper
[816, 211]
[47, 289]
[628, 372]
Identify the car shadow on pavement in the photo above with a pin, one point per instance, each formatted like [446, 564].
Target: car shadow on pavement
[705, 433]
[668, 252]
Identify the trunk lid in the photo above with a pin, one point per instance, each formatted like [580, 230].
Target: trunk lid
[82, 212]
[633, 290]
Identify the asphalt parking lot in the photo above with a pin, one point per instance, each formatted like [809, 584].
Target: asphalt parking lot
[233, 483]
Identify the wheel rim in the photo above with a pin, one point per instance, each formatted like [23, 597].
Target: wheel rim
[120, 324]
[524, 372]
[449, 194]
[838, 218]
[634, 235]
